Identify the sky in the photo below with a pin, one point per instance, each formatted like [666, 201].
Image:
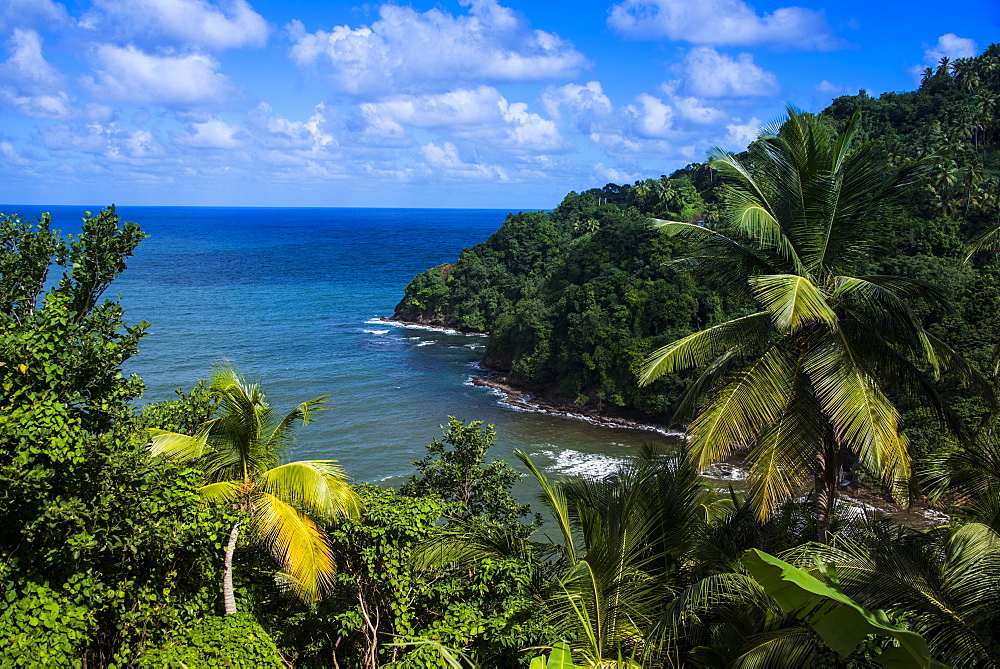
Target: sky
[457, 103]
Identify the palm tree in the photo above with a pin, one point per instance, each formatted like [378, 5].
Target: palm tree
[624, 549]
[805, 383]
[239, 452]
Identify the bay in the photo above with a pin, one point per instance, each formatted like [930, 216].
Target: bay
[293, 297]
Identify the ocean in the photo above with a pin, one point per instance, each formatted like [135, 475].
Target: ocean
[293, 298]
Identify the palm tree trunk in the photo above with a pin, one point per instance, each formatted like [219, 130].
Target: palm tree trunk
[228, 597]
[827, 489]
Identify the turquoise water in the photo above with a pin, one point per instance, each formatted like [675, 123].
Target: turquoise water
[293, 298]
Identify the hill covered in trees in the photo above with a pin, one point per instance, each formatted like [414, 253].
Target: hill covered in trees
[576, 298]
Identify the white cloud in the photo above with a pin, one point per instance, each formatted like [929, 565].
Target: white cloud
[408, 51]
[695, 110]
[481, 113]
[132, 76]
[723, 22]
[26, 65]
[587, 106]
[28, 83]
[741, 133]
[950, 46]
[211, 134]
[10, 156]
[106, 140]
[444, 160]
[712, 74]
[191, 22]
[653, 119]
[32, 14]
[274, 131]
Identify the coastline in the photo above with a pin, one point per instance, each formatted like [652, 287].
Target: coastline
[520, 397]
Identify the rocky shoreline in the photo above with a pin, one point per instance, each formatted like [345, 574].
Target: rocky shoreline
[521, 398]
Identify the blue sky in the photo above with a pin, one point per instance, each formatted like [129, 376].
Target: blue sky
[472, 103]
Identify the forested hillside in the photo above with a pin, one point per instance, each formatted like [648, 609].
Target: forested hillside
[575, 299]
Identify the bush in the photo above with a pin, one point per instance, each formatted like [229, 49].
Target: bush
[40, 627]
[217, 641]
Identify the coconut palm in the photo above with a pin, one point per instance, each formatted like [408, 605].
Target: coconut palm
[623, 549]
[240, 451]
[806, 382]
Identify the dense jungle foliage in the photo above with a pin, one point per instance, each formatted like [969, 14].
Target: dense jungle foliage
[111, 556]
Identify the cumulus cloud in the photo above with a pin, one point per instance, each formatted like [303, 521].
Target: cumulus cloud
[482, 113]
[712, 74]
[723, 22]
[585, 106]
[129, 75]
[274, 131]
[26, 65]
[211, 134]
[445, 160]
[232, 23]
[697, 111]
[740, 133]
[652, 117]
[949, 46]
[106, 140]
[29, 83]
[10, 156]
[32, 14]
[408, 51]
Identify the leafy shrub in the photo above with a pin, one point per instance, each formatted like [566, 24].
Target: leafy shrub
[217, 641]
[40, 627]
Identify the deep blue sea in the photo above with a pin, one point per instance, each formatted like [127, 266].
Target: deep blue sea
[293, 296]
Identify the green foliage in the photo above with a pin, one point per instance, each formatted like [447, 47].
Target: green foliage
[40, 627]
[239, 453]
[186, 414]
[379, 595]
[840, 621]
[460, 476]
[236, 641]
[82, 511]
[572, 306]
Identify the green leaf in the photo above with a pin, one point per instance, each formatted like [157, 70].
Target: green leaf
[840, 621]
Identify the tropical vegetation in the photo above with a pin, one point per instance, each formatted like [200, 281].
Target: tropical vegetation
[128, 537]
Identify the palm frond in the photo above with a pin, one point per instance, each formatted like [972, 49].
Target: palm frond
[793, 301]
[734, 416]
[554, 499]
[180, 447]
[319, 486]
[701, 348]
[858, 410]
[296, 542]
[227, 492]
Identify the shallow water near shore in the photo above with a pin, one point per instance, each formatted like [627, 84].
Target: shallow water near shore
[293, 297]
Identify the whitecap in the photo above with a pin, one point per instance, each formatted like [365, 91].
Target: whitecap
[375, 332]
[569, 462]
